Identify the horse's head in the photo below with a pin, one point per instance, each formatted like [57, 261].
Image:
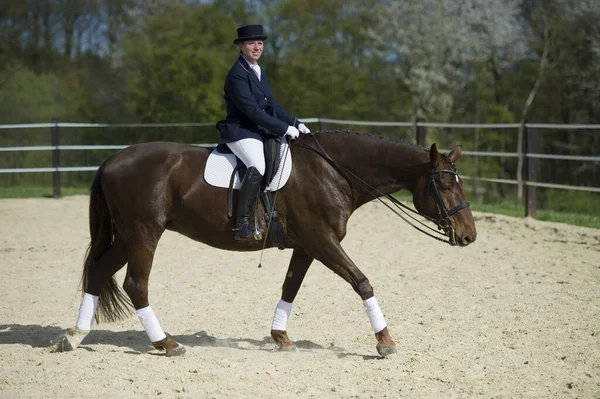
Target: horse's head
[439, 195]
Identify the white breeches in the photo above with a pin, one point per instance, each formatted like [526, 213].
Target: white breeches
[251, 152]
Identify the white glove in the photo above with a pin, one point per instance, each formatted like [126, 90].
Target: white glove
[303, 129]
[292, 132]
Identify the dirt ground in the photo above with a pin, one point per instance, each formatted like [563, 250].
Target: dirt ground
[516, 314]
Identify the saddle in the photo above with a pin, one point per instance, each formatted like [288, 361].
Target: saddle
[224, 169]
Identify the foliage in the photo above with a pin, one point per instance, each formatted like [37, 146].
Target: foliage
[29, 97]
[175, 64]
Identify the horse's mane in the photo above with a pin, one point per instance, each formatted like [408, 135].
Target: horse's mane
[370, 135]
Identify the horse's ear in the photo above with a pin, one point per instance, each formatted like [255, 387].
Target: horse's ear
[434, 157]
[455, 154]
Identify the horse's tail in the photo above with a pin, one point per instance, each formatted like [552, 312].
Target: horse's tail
[113, 304]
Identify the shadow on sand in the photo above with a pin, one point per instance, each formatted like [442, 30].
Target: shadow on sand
[38, 336]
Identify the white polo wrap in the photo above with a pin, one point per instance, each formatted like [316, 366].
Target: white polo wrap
[283, 312]
[150, 323]
[87, 311]
[375, 315]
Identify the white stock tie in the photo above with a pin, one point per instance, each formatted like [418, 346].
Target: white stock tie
[256, 69]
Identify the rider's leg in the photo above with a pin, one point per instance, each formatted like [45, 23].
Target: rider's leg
[251, 152]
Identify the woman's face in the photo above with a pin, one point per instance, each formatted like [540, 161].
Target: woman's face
[252, 49]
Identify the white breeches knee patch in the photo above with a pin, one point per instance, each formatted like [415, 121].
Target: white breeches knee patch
[251, 152]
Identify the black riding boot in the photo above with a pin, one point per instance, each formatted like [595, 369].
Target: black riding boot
[248, 192]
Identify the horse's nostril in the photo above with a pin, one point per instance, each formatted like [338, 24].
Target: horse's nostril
[466, 240]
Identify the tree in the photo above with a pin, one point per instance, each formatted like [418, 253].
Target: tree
[176, 62]
[434, 46]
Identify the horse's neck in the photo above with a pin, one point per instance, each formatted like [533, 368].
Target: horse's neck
[384, 164]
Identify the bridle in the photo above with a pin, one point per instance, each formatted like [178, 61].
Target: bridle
[442, 222]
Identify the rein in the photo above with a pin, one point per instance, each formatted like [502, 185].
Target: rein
[270, 220]
[443, 220]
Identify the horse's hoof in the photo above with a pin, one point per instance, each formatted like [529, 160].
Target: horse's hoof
[69, 341]
[284, 343]
[287, 348]
[62, 345]
[385, 351]
[178, 351]
[170, 347]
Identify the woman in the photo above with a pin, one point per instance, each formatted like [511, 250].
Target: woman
[252, 115]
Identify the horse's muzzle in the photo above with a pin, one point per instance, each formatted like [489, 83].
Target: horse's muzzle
[466, 240]
[461, 241]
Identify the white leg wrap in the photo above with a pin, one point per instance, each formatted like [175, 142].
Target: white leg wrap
[150, 323]
[283, 312]
[375, 314]
[87, 311]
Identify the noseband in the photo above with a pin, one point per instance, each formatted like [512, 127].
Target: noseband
[443, 219]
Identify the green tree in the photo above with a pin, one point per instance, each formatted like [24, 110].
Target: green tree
[175, 64]
[29, 97]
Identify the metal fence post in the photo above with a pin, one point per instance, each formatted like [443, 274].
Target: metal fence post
[55, 138]
[421, 132]
[530, 197]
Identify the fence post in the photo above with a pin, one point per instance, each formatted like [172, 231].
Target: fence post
[530, 197]
[55, 138]
[321, 124]
[421, 132]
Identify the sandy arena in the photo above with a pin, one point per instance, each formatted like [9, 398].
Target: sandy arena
[516, 314]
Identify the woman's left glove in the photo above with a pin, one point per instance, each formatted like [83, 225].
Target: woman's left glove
[303, 129]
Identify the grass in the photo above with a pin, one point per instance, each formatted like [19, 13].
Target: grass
[40, 192]
[518, 210]
[503, 208]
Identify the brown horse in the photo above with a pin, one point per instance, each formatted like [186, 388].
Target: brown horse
[147, 188]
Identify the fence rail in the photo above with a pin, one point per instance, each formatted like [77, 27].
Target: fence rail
[528, 153]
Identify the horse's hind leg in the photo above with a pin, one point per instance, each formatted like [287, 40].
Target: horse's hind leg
[299, 265]
[140, 256]
[100, 273]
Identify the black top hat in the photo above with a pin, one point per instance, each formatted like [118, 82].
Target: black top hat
[250, 32]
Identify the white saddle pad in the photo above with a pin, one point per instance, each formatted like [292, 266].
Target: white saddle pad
[219, 168]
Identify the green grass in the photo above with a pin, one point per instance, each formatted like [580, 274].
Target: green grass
[503, 208]
[512, 209]
[518, 210]
[40, 192]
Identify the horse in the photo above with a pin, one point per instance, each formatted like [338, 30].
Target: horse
[148, 188]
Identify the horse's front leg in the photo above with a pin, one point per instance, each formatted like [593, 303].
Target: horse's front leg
[333, 256]
[299, 265]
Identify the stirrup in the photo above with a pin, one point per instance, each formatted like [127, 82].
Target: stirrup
[249, 234]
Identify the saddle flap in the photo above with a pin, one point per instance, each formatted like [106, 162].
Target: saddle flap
[272, 157]
[220, 166]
